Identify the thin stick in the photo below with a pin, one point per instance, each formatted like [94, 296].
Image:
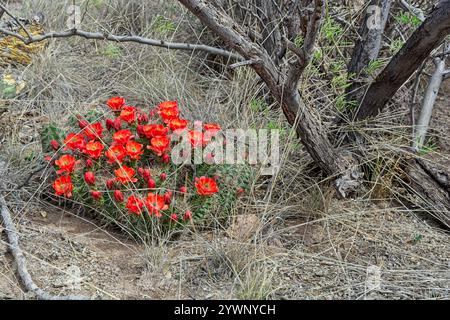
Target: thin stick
[2, 7]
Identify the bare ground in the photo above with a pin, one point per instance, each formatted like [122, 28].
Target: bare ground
[376, 253]
[306, 244]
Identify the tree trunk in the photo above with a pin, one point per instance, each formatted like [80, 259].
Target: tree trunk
[418, 48]
[368, 46]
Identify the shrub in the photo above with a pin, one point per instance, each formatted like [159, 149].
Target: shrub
[122, 166]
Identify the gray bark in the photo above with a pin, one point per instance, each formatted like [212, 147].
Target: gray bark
[429, 99]
[418, 47]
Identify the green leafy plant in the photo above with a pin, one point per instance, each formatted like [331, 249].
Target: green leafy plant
[396, 45]
[112, 51]
[374, 66]
[163, 25]
[331, 30]
[407, 18]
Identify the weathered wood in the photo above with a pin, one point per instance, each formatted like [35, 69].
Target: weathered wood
[284, 87]
[417, 48]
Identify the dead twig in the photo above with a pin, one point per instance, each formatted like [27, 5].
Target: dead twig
[111, 37]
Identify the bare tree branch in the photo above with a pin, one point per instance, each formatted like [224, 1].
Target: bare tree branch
[446, 74]
[304, 53]
[429, 99]
[233, 35]
[116, 38]
[285, 88]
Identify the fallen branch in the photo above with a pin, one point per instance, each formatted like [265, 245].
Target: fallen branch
[116, 38]
[19, 257]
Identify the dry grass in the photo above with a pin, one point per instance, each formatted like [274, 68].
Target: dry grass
[309, 245]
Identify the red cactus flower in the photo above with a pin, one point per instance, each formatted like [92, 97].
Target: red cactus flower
[153, 112]
[159, 145]
[168, 110]
[165, 158]
[63, 186]
[94, 149]
[209, 158]
[168, 197]
[128, 114]
[134, 205]
[122, 136]
[213, 127]
[82, 123]
[154, 130]
[142, 118]
[109, 124]
[183, 189]
[118, 196]
[116, 154]
[240, 191]
[96, 195]
[134, 149]
[163, 176]
[174, 217]
[155, 203]
[66, 163]
[54, 144]
[89, 177]
[206, 186]
[110, 184]
[125, 174]
[187, 215]
[117, 124]
[140, 130]
[178, 124]
[89, 163]
[115, 103]
[151, 184]
[145, 173]
[196, 138]
[74, 142]
[94, 131]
